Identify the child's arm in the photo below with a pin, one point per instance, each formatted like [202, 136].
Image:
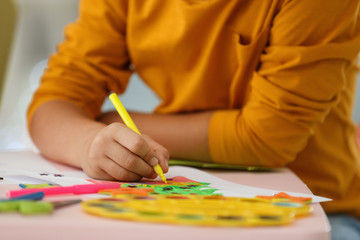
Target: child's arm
[64, 132]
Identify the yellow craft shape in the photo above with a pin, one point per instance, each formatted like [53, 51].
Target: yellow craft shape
[197, 210]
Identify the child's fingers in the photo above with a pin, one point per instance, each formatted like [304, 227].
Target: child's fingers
[157, 155]
[130, 140]
[126, 160]
[134, 155]
[143, 146]
[118, 172]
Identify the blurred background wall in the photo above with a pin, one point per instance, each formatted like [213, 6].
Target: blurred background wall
[30, 36]
[7, 24]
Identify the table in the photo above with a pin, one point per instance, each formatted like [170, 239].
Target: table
[72, 223]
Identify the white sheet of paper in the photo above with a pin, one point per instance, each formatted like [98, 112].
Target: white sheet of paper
[230, 189]
[29, 167]
[35, 177]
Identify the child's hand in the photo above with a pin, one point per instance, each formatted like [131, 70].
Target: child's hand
[118, 153]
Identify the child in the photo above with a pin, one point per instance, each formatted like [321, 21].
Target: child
[260, 83]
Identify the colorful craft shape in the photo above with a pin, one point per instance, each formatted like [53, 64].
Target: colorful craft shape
[196, 210]
[183, 201]
[176, 185]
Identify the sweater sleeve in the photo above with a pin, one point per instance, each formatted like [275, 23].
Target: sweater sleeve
[92, 60]
[301, 74]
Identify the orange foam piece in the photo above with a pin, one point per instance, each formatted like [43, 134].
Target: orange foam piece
[287, 196]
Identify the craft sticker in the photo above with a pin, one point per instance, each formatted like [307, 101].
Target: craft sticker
[175, 186]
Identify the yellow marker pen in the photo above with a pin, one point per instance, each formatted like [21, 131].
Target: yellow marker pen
[130, 124]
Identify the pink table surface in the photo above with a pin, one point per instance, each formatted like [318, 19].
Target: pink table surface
[72, 223]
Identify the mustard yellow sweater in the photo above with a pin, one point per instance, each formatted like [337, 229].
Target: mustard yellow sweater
[279, 73]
